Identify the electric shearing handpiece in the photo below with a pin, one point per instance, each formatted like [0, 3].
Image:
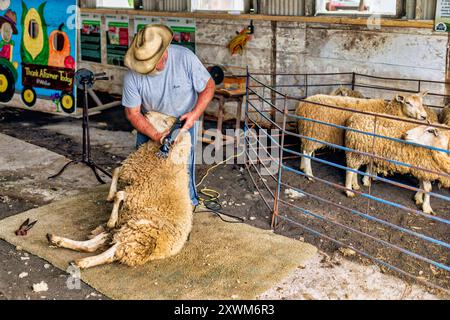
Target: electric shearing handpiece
[170, 138]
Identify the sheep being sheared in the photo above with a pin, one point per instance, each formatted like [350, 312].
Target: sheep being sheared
[402, 106]
[155, 219]
[412, 155]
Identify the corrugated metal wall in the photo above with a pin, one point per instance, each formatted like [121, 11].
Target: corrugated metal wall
[175, 5]
[418, 9]
[150, 5]
[88, 3]
[428, 10]
[283, 7]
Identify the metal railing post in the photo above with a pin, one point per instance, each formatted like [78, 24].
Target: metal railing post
[280, 169]
[247, 82]
[353, 80]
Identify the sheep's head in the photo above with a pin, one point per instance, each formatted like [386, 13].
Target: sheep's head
[181, 148]
[428, 136]
[346, 92]
[412, 105]
[161, 122]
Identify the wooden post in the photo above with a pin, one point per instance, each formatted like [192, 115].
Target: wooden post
[273, 69]
[309, 7]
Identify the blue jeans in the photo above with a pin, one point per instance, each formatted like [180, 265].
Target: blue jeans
[141, 139]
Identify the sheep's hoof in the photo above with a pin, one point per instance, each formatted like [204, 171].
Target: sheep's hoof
[419, 201]
[50, 239]
[366, 182]
[350, 194]
[78, 264]
[310, 179]
[428, 210]
[111, 224]
[356, 187]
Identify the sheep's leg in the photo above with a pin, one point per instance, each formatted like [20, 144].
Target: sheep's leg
[426, 207]
[305, 165]
[118, 198]
[302, 162]
[349, 183]
[83, 246]
[367, 181]
[418, 197]
[355, 183]
[106, 257]
[113, 188]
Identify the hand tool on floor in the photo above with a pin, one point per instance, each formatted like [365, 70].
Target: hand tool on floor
[25, 227]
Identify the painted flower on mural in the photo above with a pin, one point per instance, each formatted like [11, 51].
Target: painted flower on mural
[4, 4]
[56, 99]
[69, 62]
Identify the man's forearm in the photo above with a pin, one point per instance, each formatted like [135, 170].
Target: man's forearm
[141, 124]
[204, 98]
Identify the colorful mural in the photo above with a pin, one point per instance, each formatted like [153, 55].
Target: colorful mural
[37, 54]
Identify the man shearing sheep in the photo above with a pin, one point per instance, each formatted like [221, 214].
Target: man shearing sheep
[165, 78]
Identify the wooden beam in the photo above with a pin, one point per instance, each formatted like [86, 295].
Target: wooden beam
[426, 24]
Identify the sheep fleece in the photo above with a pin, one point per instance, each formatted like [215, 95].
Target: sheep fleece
[409, 154]
[334, 116]
[156, 216]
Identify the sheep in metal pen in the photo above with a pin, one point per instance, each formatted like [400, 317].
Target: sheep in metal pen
[409, 106]
[417, 156]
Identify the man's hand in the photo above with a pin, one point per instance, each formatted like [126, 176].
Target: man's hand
[141, 124]
[160, 136]
[190, 118]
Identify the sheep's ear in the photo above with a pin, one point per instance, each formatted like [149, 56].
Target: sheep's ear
[436, 132]
[424, 93]
[400, 98]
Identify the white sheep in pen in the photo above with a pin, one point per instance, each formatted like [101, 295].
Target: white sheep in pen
[155, 219]
[445, 116]
[420, 157]
[410, 106]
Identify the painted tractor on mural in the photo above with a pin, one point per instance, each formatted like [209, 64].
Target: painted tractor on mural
[8, 68]
[8, 78]
[46, 60]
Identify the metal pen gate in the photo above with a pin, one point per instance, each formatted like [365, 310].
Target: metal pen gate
[380, 224]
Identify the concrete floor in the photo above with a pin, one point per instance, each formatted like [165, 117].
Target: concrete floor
[24, 168]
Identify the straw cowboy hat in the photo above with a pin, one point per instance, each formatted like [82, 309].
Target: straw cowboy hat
[148, 47]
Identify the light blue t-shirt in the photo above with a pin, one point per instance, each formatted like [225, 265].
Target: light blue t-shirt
[173, 91]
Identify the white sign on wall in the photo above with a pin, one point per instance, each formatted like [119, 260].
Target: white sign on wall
[442, 22]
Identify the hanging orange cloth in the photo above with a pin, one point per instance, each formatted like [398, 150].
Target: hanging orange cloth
[238, 43]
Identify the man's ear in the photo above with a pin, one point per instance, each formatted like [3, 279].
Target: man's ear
[400, 98]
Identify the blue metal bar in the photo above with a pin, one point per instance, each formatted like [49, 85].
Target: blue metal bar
[364, 254]
[403, 250]
[402, 185]
[375, 177]
[368, 196]
[365, 133]
[369, 217]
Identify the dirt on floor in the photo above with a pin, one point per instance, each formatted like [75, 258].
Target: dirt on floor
[240, 197]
